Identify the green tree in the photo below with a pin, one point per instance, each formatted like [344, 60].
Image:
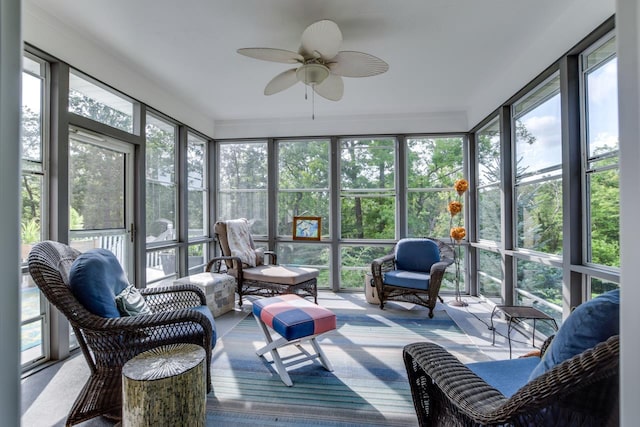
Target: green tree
[160, 177]
[367, 168]
[303, 183]
[89, 107]
[434, 164]
[242, 172]
[604, 210]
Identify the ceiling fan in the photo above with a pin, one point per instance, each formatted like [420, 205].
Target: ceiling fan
[321, 64]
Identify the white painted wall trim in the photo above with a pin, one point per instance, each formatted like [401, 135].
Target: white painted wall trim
[344, 125]
[628, 39]
[10, 93]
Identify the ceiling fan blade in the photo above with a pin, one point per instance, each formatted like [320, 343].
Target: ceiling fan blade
[321, 39]
[273, 55]
[349, 63]
[331, 88]
[281, 82]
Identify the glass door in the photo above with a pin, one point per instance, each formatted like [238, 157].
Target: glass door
[101, 195]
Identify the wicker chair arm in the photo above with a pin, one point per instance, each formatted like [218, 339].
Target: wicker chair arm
[435, 373]
[273, 255]
[438, 269]
[546, 344]
[382, 264]
[170, 326]
[156, 319]
[196, 298]
[212, 261]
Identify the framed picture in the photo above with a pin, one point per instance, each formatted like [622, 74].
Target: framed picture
[307, 227]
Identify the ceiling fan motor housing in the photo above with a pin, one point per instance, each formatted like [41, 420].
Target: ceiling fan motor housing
[312, 74]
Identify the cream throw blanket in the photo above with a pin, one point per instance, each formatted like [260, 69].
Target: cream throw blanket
[239, 241]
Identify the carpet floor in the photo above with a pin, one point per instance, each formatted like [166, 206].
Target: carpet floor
[368, 386]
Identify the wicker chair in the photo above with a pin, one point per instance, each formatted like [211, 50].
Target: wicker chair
[264, 279]
[107, 343]
[425, 297]
[581, 391]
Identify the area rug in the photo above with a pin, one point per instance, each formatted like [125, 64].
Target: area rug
[368, 386]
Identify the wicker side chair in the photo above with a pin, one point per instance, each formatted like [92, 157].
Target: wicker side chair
[581, 391]
[427, 292]
[107, 343]
[267, 278]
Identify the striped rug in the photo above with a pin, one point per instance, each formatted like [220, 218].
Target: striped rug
[368, 386]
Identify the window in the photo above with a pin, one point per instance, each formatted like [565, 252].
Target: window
[90, 99]
[489, 178]
[355, 263]
[197, 211]
[197, 186]
[161, 179]
[367, 188]
[600, 68]
[303, 183]
[538, 169]
[538, 195]
[490, 274]
[433, 165]
[162, 193]
[600, 286]
[303, 190]
[101, 194]
[33, 229]
[242, 183]
[538, 285]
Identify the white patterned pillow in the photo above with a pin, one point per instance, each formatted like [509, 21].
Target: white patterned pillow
[239, 241]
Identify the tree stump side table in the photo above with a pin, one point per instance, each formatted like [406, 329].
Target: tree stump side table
[165, 386]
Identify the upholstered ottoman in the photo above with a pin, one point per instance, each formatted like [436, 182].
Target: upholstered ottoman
[218, 288]
[295, 320]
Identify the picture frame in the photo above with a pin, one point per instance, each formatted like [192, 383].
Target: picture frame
[307, 227]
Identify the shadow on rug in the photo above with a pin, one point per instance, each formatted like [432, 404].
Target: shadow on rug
[367, 387]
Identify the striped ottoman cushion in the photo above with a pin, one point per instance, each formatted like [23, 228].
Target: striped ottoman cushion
[294, 317]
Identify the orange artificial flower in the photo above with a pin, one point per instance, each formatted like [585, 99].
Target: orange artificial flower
[461, 186]
[458, 233]
[454, 208]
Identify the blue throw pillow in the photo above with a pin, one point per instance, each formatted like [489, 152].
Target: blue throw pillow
[590, 323]
[95, 279]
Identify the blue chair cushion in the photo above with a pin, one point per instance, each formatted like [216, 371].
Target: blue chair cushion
[407, 279]
[416, 255]
[95, 279]
[506, 376]
[589, 324]
[205, 310]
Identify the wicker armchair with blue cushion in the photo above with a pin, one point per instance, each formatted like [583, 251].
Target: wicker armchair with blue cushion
[575, 383]
[413, 272]
[112, 321]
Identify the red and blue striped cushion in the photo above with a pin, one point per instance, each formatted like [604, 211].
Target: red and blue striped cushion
[294, 317]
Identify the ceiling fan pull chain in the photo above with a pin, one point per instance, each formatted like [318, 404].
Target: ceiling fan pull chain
[313, 104]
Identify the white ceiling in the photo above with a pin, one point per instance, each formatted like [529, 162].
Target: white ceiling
[452, 62]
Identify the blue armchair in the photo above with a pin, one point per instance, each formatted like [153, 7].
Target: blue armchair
[413, 272]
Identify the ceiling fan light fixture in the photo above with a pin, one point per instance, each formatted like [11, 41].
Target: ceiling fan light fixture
[312, 74]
